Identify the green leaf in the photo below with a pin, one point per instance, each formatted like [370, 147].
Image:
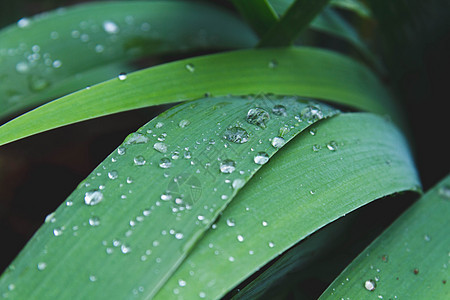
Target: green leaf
[351, 160]
[296, 18]
[258, 13]
[409, 260]
[37, 58]
[353, 5]
[128, 226]
[303, 71]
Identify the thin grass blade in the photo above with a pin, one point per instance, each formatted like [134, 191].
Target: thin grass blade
[36, 57]
[259, 14]
[409, 260]
[303, 71]
[341, 164]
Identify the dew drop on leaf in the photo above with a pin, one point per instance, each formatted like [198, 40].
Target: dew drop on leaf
[94, 221]
[110, 27]
[57, 231]
[279, 110]
[160, 147]
[311, 113]
[41, 266]
[273, 64]
[231, 222]
[332, 146]
[165, 163]
[278, 142]
[136, 138]
[236, 135]
[238, 183]
[113, 174]
[139, 160]
[93, 197]
[258, 116]
[184, 123]
[190, 68]
[261, 158]
[370, 285]
[24, 22]
[122, 76]
[227, 166]
[121, 150]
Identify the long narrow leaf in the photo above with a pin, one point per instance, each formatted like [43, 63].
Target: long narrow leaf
[297, 18]
[36, 56]
[128, 226]
[258, 13]
[348, 161]
[409, 260]
[307, 72]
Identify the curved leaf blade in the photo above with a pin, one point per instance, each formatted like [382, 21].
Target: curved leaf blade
[409, 260]
[307, 72]
[299, 191]
[128, 226]
[36, 56]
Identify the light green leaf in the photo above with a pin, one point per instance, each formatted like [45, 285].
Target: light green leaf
[353, 5]
[303, 71]
[128, 226]
[37, 59]
[351, 160]
[409, 260]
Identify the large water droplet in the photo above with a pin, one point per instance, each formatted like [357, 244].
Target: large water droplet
[236, 135]
[139, 160]
[332, 146]
[278, 142]
[24, 22]
[279, 110]
[184, 123]
[370, 285]
[258, 116]
[121, 150]
[240, 238]
[261, 158]
[125, 249]
[160, 147]
[57, 231]
[238, 183]
[227, 166]
[110, 27]
[41, 266]
[136, 138]
[311, 113]
[93, 197]
[231, 222]
[165, 163]
[113, 174]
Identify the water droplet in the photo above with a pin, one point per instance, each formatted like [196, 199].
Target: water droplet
[278, 142]
[271, 244]
[160, 147]
[125, 249]
[332, 146]
[261, 158]
[184, 123]
[38, 83]
[273, 64]
[187, 154]
[264, 223]
[202, 295]
[231, 259]
[92, 278]
[284, 130]
[139, 160]
[427, 238]
[113, 174]
[159, 125]
[181, 282]
[227, 166]
[50, 218]
[231, 222]
[122, 76]
[166, 197]
[240, 238]
[165, 163]
[11, 286]
[313, 131]
[258, 116]
[238, 183]
[22, 67]
[99, 48]
[136, 138]
[179, 236]
[94, 221]
[41, 266]
[444, 192]
[93, 197]
[311, 113]
[57, 64]
[279, 110]
[316, 148]
[190, 68]
[24, 22]
[57, 231]
[236, 135]
[110, 27]
[370, 285]
[121, 150]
